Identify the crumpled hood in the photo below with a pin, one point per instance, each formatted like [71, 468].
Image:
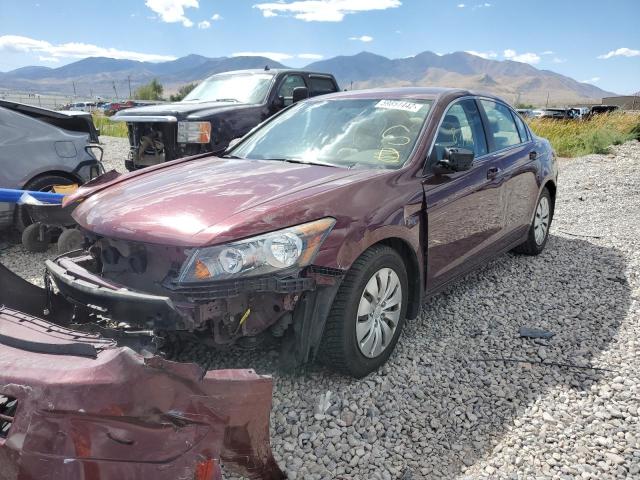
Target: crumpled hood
[195, 202]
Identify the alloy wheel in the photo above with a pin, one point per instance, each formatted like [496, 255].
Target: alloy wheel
[541, 221]
[378, 312]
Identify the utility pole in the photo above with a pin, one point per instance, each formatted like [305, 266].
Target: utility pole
[547, 106]
[74, 89]
[129, 80]
[115, 89]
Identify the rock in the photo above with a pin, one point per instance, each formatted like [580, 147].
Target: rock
[614, 458]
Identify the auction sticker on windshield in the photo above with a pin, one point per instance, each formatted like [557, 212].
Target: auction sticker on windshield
[400, 105]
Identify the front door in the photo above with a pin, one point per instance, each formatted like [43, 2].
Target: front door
[464, 209]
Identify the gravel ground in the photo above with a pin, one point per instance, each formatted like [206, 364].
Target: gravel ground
[464, 396]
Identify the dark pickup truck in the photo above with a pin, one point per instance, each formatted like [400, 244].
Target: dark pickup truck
[223, 107]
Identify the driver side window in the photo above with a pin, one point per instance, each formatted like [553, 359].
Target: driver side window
[286, 88]
[461, 128]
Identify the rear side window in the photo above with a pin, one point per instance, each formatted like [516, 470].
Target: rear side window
[321, 85]
[502, 127]
[522, 130]
[461, 128]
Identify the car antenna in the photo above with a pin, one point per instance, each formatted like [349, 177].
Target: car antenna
[266, 68]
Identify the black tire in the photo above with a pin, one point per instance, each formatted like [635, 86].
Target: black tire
[40, 184]
[531, 246]
[339, 349]
[69, 240]
[36, 238]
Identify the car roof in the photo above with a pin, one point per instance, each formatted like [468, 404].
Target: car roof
[417, 93]
[274, 71]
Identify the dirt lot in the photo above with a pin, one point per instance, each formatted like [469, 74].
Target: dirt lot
[464, 396]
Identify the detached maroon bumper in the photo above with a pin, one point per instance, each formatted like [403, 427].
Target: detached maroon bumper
[76, 406]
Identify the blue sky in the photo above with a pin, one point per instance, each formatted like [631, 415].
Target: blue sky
[593, 41]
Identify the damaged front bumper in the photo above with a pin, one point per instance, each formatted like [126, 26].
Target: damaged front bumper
[76, 406]
[293, 304]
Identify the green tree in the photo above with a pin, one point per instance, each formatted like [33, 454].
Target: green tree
[151, 91]
[183, 92]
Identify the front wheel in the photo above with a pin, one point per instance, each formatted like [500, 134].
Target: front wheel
[539, 229]
[368, 313]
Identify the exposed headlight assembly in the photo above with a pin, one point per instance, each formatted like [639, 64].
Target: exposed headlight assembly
[194, 132]
[280, 250]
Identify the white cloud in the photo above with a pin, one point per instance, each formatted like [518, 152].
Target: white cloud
[16, 43]
[311, 56]
[172, 11]
[548, 52]
[482, 5]
[324, 10]
[363, 38]
[591, 80]
[529, 57]
[49, 59]
[485, 55]
[461, 5]
[216, 17]
[277, 56]
[203, 25]
[558, 60]
[621, 52]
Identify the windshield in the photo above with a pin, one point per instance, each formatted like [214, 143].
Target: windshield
[243, 88]
[368, 133]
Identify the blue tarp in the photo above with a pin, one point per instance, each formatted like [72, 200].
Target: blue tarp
[25, 197]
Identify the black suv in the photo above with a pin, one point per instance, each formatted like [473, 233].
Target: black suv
[221, 108]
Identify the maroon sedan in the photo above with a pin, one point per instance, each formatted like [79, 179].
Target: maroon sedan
[326, 226]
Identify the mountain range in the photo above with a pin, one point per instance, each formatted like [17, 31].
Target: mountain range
[517, 82]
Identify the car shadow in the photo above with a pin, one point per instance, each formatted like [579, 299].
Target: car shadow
[461, 375]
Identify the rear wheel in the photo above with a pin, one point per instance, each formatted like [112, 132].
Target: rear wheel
[539, 229]
[41, 184]
[368, 313]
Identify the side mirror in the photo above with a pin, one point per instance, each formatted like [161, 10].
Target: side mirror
[454, 160]
[300, 93]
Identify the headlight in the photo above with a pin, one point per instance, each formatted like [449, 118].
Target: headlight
[292, 247]
[194, 132]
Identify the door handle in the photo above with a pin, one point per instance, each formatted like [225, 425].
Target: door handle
[492, 172]
[533, 155]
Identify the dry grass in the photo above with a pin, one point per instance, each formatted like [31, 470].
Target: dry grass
[573, 138]
[108, 127]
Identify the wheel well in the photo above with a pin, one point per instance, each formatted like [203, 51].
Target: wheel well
[552, 192]
[413, 273]
[66, 175]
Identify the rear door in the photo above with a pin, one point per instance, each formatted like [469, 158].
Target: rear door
[512, 148]
[464, 209]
